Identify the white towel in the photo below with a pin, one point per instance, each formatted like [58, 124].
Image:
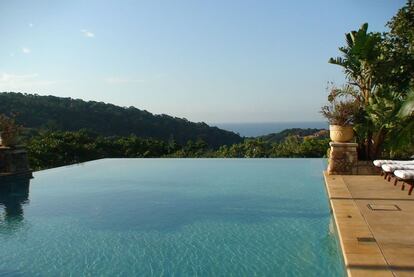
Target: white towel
[394, 167]
[379, 163]
[404, 174]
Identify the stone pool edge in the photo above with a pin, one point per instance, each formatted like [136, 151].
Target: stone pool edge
[361, 254]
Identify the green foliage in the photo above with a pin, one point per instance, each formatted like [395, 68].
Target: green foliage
[290, 147]
[407, 108]
[382, 113]
[279, 137]
[52, 149]
[67, 114]
[383, 108]
[191, 149]
[399, 49]
[360, 59]
[380, 68]
[296, 147]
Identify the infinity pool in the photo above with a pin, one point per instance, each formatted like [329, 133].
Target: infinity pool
[171, 217]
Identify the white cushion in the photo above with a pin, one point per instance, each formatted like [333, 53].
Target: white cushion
[379, 163]
[405, 174]
[394, 167]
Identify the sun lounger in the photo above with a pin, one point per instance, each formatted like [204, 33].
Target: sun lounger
[388, 169]
[379, 163]
[407, 177]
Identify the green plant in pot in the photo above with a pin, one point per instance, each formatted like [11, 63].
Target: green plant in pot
[9, 131]
[340, 113]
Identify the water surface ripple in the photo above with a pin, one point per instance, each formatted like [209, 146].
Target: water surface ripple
[171, 217]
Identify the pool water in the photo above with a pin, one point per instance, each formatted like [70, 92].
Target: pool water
[171, 217]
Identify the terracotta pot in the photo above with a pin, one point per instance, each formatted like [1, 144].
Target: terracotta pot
[341, 133]
[8, 139]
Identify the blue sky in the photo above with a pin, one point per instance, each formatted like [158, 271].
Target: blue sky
[212, 61]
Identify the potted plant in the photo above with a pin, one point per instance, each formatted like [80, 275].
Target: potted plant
[341, 115]
[9, 131]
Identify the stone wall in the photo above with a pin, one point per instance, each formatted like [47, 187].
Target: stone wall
[14, 161]
[343, 160]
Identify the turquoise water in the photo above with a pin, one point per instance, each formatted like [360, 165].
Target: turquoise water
[171, 217]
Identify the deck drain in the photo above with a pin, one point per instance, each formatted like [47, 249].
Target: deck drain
[382, 207]
[365, 239]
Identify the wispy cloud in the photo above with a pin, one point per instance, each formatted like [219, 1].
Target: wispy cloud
[87, 33]
[26, 50]
[16, 82]
[31, 25]
[121, 80]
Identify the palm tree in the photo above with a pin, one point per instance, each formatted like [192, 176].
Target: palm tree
[361, 62]
[360, 57]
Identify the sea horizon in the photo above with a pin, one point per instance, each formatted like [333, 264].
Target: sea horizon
[254, 129]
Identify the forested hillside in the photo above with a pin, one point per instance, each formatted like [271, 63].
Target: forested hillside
[67, 114]
[279, 137]
[52, 149]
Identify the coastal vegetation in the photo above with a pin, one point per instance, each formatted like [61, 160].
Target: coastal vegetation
[57, 148]
[53, 113]
[61, 131]
[379, 69]
[290, 147]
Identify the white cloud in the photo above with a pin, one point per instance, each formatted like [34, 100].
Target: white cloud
[26, 50]
[87, 33]
[31, 25]
[120, 80]
[21, 82]
[12, 54]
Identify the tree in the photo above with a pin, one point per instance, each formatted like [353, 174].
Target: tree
[399, 49]
[382, 112]
[381, 68]
[67, 114]
[360, 59]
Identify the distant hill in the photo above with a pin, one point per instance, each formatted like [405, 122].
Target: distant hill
[57, 113]
[255, 129]
[310, 132]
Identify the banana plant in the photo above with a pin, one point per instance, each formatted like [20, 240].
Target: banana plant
[359, 59]
[407, 109]
[390, 129]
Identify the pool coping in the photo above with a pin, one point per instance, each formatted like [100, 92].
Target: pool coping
[361, 252]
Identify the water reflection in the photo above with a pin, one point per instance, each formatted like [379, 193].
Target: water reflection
[14, 193]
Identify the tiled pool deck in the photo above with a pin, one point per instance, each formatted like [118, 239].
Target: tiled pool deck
[375, 223]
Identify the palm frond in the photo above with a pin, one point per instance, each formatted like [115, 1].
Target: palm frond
[407, 108]
[337, 61]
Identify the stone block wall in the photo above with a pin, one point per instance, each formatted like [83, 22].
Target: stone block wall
[343, 159]
[14, 161]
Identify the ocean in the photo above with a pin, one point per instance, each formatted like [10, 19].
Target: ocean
[264, 128]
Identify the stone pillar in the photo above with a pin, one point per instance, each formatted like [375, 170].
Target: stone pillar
[14, 162]
[343, 158]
